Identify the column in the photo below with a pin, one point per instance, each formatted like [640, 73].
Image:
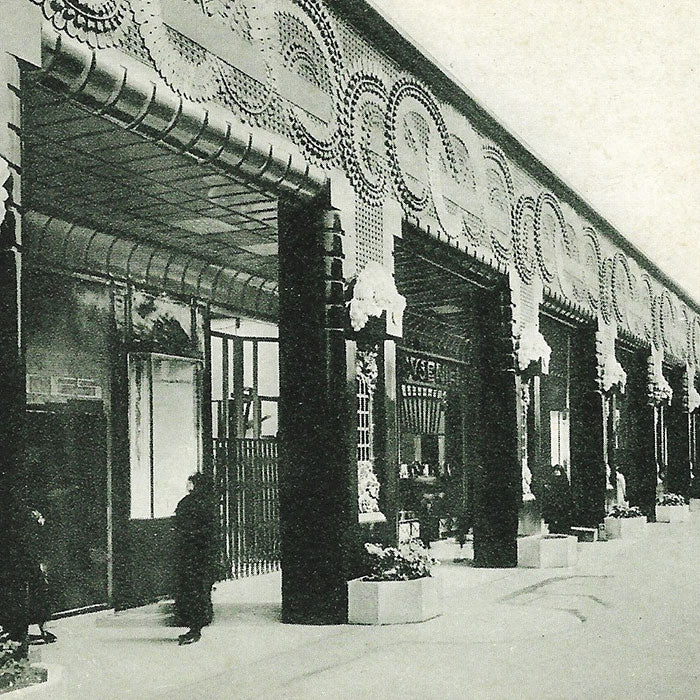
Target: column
[12, 369]
[679, 437]
[318, 474]
[588, 432]
[637, 438]
[497, 477]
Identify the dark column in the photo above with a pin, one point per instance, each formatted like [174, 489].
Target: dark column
[679, 436]
[588, 477]
[636, 439]
[318, 472]
[12, 368]
[497, 477]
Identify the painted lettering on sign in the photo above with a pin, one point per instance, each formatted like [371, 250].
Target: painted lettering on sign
[426, 370]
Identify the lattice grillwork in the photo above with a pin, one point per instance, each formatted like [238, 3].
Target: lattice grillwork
[369, 240]
[365, 451]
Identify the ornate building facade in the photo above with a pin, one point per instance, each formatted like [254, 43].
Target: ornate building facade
[285, 212]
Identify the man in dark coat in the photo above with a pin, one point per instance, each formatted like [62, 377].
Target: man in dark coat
[195, 531]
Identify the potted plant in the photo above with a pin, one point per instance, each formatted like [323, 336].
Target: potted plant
[624, 521]
[671, 508]
[15, 670]
[400, 586]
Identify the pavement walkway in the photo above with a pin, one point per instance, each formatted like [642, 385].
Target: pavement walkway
[623, 623]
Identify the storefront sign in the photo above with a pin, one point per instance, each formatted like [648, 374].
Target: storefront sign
[63, 387]
[425, 370]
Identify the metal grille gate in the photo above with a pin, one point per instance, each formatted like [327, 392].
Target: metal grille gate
[245, 392]
[246, 475]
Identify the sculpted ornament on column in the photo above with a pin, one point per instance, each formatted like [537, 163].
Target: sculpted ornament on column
[4, 195]
[374, 292]
[659, 391]
[526, 477]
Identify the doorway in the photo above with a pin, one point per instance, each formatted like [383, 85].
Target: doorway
[67, 476]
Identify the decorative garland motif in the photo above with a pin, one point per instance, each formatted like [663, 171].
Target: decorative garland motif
[195, 75]
[547, 199]
[93, 22]
[251, 96]
[501, 197]
[616, 289]
[365, 104]
[411, 132]
[524, 237]
[321, 141]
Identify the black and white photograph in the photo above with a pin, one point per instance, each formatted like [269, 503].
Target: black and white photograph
[349, 349]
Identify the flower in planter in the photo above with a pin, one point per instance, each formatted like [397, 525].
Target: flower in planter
[622, 511]
[403, 563]
[670, 499]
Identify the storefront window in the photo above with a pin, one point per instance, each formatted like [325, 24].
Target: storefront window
[165, 433]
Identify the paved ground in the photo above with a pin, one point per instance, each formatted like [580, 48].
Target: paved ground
[623, 623]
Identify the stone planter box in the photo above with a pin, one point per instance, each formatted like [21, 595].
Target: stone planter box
[394, 602]
[547, 551]
[616, 528]
[672, 514]
[694, 505]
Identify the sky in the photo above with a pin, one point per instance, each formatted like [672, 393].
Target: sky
[605, 93]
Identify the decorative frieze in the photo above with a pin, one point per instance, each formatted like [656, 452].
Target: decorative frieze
[293, 68]
[92, 21]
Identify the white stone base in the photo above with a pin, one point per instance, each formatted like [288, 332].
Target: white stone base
[616, 528]
[672, 514]
[585, 534]
[547, 551]
[694, 505]
[394, 602]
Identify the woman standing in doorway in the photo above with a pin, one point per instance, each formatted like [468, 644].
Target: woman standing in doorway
[195, 558]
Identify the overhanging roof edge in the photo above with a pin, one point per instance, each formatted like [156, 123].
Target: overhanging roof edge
[131, 94]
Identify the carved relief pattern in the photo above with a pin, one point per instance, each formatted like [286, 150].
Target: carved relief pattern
[501, 194]
[364, 147]
[186, 67]
[91, 21]
[524, 236]
[415, 133]
[313, 52]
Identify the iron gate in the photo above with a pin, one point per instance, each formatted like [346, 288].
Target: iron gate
[246, 475]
